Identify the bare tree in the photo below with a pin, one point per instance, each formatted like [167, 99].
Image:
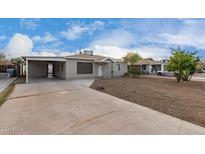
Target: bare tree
[2, 56]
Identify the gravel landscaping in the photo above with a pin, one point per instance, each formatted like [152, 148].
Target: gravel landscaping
[185, 100]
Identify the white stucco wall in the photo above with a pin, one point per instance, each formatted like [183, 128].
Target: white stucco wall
[107, 69]
[123, 69]
[59, 70]
[71, 69]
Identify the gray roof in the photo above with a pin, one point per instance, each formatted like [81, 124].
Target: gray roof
[148, 62]
[96, 58]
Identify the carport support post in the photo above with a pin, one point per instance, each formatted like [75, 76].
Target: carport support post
[162, 67]
[150, 69]
[26, 70]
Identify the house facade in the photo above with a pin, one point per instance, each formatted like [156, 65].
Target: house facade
[82, 65]
[150, 66]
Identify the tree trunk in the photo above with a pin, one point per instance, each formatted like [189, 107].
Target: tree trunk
[190, 76]
[178, 79]
[186, 76]
[178, 76]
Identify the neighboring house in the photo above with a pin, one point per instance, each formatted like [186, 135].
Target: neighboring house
[82, 65]
[6, 64]
[203, 69]
[7, 69]
[12, 68]
[150, 66]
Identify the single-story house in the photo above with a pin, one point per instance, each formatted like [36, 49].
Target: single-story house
[7, 69]
[150, 66]
[82, 65]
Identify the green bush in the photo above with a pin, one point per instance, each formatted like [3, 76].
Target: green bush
[134, 71]
[183, 64]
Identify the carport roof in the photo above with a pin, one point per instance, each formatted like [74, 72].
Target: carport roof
[96, 58]
[44, 58]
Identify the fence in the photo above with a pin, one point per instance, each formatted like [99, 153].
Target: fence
[4, 75]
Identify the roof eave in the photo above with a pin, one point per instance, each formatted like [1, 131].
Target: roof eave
[77, 58]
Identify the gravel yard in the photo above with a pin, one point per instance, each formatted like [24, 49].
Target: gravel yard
[185, 100]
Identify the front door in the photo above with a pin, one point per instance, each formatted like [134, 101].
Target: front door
[50, 70]
[100, 70]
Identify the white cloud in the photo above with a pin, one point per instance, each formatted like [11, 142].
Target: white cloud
[52, 53]
[47, 42]
[19, 45]
[37, 38]
[44, 53]
[110, 51]
[47, 38]
[30, 24]
[118, 42]
[113, 44]
[177, 39]
[191, 34]
[51, 47]
[3, 37]
[118, 52]
[156, 53]
[184, 39]
[76, 30]
[119, 37]
[96, 25]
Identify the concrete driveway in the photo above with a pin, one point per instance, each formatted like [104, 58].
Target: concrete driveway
[198, 77]
[5, 83]
[70, 107]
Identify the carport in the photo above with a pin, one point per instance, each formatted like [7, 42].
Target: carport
[45, 67]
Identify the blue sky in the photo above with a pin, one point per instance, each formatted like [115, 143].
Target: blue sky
[110, 37]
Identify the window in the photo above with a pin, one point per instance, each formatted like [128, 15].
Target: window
[84, 68]
[144, 67]
[118, 67]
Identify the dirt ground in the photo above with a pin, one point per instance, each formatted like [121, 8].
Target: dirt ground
[185, 100]
[20, 80]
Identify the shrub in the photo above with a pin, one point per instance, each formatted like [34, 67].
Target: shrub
[183, 64]
[134, 71]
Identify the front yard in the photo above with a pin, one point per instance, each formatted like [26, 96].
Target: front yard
[185, 100]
